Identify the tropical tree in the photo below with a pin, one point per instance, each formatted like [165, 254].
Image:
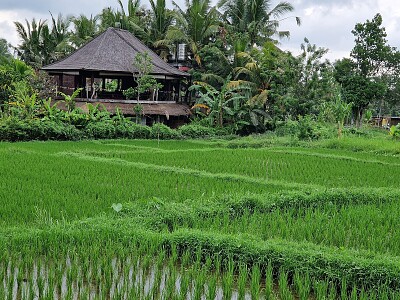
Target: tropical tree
[42, 44]
[161, 20]
[371, 53]
[131, 18]
[54, 40]
[30, 49]
[221, 105]
[364, 77]
[144, 80]
[60, 35]
[84, 29]
[195, 25]
[339, 110]
[4, 49]
[257, 18]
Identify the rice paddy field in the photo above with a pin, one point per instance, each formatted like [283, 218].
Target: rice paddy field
[251, 218]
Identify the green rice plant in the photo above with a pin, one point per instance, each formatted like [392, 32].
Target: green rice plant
[344, 289]
[217, 264]
[212, 286]
[184, 285]
[269, 281]
[332, 295]
[284, 290]
[302, 284]
[383, 292]
[255, 282]
[179, 214]
[199, 282]
[186, 259]
[242, 281]
[157, 280]
[372, 295]
[363, 295]
[227, 284]
[321, 289]
[354, 293]
[208, 264]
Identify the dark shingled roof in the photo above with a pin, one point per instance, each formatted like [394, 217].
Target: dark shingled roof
[112, 51]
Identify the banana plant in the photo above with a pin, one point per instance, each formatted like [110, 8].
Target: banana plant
[26, 103]
[70, 99]
[50, 111]
[221, 104]
[395, 131]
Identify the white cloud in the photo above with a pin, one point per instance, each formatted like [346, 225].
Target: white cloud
[329, 24]
[8, 17]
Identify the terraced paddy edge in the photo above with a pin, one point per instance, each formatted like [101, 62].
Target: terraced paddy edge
[98, 245]
[197, 220]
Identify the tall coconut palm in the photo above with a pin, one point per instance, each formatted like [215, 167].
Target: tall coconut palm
[84, 29]
[42, 44]
[194, 25]
[60, 34]
[54, 39]
[31, 43]
[161, 20]
[131, 18]
[257, 18]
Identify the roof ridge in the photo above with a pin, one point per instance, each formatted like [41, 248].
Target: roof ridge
[165, 68]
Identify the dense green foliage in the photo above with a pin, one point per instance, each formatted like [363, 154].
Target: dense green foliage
[264, 217]
[242, 80]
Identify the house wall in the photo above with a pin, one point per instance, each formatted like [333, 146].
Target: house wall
[65, 83]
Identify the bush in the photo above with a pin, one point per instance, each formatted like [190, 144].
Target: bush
[288, 127]
[196, 131]
[132, 130]
[357, 131]
[307, 128]
[164, 132]
[14, 129]
[395, 131]
[100, 130]
[304, 129]
[51, 130]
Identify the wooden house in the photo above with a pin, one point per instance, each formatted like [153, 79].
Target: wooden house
[107, 61]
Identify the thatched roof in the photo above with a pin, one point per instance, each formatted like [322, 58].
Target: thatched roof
[112, 51]
[162, 109]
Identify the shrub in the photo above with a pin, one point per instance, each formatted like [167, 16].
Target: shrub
[196, 131]
[288, 127]
[13, 129]
[164, 132]
[395, 131]
[100, 130]
[132, 131]
[307, 128]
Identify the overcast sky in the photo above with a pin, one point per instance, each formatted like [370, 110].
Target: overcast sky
[325, 23]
